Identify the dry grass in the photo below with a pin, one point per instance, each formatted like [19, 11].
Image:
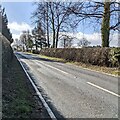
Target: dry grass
[108, 70]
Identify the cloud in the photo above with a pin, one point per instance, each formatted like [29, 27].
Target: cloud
[114, 40]
[15, 36]
[19, 27]
[94, 38]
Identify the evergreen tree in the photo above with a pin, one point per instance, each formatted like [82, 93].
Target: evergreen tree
[4, 25]
[39, 35]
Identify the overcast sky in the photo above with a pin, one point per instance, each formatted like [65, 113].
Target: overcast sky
[19, 14]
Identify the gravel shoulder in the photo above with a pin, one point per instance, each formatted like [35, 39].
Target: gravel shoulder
[19, 99]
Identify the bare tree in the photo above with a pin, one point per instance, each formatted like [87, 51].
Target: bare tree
[66, 41]
[105, 12]
[23, 39]
[57, 16]
[26, 40]
[41, 15]
[83, 42]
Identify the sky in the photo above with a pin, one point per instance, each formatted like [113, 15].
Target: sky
[19, 18]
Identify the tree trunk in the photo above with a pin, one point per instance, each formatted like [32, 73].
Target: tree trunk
[36, 45]
[53, 24]
[53, 37]
[48, 41]
[64, 43]
[57, 35]
[105, 28]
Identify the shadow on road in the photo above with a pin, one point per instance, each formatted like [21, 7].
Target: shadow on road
[34, 57]
[42, 91]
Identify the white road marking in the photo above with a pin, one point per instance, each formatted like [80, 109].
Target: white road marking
[103, 89]
[110, 92]
[50, 112]
[52, 67]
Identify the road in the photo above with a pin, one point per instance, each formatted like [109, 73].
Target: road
[73, 91]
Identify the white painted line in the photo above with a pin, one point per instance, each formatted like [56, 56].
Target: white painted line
[52, 67]
[39, 94]
[103, 89]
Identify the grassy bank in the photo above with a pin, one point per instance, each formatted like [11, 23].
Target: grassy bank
[19, 99]
[113, 71]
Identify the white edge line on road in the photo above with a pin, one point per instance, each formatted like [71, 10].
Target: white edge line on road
[103, 89]
[39, 94]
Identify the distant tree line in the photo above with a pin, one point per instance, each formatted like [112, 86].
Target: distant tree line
[26, 40]
[4, 25]
[33, 39]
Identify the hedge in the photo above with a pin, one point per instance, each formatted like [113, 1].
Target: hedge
[89, 55]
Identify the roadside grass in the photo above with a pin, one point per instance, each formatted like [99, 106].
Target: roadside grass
[19, 99]
[103, 69]
[107, 70]
[47, 57]
[53, 58]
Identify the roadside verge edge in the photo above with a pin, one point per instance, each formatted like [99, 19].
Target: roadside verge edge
[51, 114]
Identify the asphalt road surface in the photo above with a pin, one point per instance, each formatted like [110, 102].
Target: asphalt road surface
[73, 91]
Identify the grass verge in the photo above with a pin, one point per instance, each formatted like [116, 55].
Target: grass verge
[107, 70]
[19, 99]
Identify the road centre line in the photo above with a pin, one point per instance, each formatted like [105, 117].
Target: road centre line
[52, 67]
[110, 92]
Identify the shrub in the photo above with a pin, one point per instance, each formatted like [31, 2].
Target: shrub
[35, 51]
[115, 56]
[90, 55]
